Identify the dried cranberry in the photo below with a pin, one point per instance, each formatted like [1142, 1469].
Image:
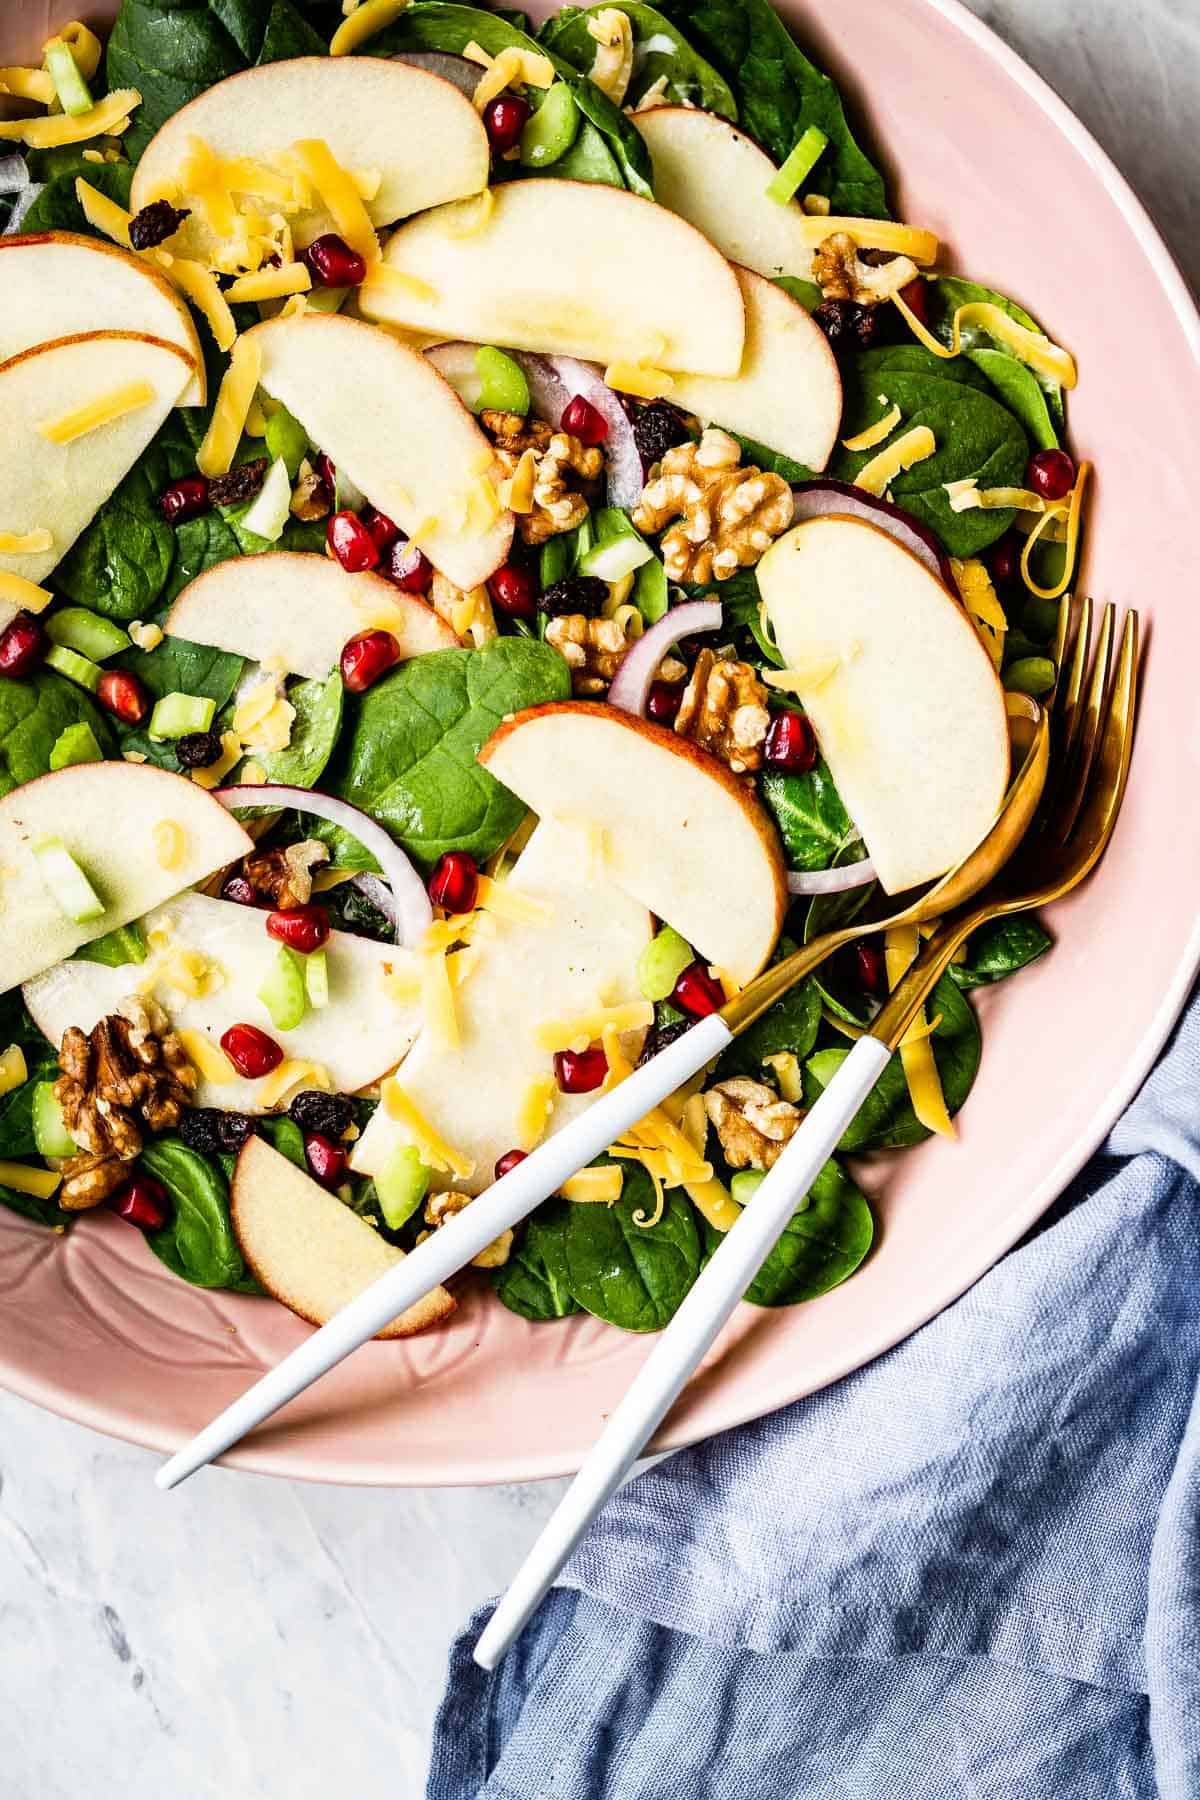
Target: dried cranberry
[213, 1131]
[384, 532]
[867, 963]
[241, 484]
[1052, 474]
[580, 1071]
[185, 499]
[514, 590]
[143, 1201]
[240, 890]
[454, 883]
[366, 657]
[1004, 559]
[847, 325]
[508, 1162]
[659, 1036]
[301, 928]
[351, 543]
[408, 567]
[663, 702]
[916, 297]
[327, 1161]
[329, 1115]
[657, 428]
[791, 744]
[332, 263]
[698, 992]
[123, 695]
[584, 421]
[251, 1051]
[584, 594]
[504, 119]
[198, 749]
[22, 645]
[155, 224]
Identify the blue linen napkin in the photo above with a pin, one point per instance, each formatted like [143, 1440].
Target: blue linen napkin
[971, 1569]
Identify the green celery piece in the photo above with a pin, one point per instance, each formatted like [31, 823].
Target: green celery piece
[286, 438]
[401, 1185]
[503, 387]
[316, 979]
[662, 962]
[283, 992]
[75, 667]
[50, 1133]
[177, 714]
[69, 85]
[78, 628]
[552, 129]
[270, 510]
[1030, 675]
[77, 744]
[125, 944]
[66, 881]
[798, 165]
[745, 1184]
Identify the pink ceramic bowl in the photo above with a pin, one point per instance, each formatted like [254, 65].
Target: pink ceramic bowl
[93, 1328]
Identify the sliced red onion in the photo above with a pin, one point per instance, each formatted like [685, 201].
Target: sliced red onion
[817, 499]
[459, 70]
[377, 891]
[632, 681]
[622, 459]
[14, 174]
[21, 205]
[411, 910]
[548, 393]
[831, 881]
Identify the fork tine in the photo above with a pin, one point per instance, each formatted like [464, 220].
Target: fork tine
[1087, 730]
[1062, 636]
[1110, 765]
[1068, 696]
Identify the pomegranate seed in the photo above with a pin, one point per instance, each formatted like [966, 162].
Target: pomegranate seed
[504, 120]
[251, 1051]
[143, 1201]
[22, 645]
[351, 543]
[184, 499]
[409, 568]
[698, 991]
[328, 474]
[508, 1161]
[366, 657]
[327, 1161]
[454, 883]
[1052, 474]
[791, 744]
[916, 297]
[123, 695]
[580, 1071]
[870, 970]
[663, 702]
[584, 421]
[240, 890]
[332, 263]
[1004, 559]
[301, 928]
[514, 591]
[383, 531]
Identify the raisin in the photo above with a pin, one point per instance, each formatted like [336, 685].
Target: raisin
[847, 325]
[211, 1130]
[198, 749]
[659, 1036]
[155, 223]
[240, 484]
[584, 594]
[240, 889]
[328, 1115]
[657, 428]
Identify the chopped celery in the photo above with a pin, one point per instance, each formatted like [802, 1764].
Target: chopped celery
[1032, 675]
[75, 667]
[798, 165]
[745, 1184]
[50, 1133]
[126, 944]
[77, 628]
[69, 85]
[287, 439]
[66, 881]
[326, 300]
[76, 744]
[615, 557]
[552, 129]
[401, 1185]
[272, 505]
[662, 962]
[316, 979]
[175, 715]
[650, 590]
[283, 991]
[503, 387]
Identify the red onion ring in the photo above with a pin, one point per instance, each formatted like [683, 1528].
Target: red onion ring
[831, 881]
[460, 71]
[377, 891]
[623, 460]
[632, 681]
[818, 499]
[410, 911]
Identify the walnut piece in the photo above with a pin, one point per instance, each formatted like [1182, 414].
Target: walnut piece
[89, 1179]
[310, 497]
[751, 1121]
[724, 709]
[727, 515]
[562, 462]
[284, 876]
[592, 649]
[842, 274]
[440, 1207]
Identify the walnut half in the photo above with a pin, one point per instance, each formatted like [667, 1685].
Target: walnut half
[751, 1121]
[728, 516]
[724, 709]
[592, 649]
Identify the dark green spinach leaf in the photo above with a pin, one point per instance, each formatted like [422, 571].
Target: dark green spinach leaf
[57, 208]
[34, 712]
[632, 1275]
[825, 1242]
[809, 813]
[659, 49]
[197, 1241]
[16, 1107]
[999, 950]
[119, 564]
[534, 1280]
[946, 294]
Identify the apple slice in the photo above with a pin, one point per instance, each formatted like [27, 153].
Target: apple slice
[58, 488]
[569, 268]
[902, 693]
[386, 418]
[309, 1250]
[56, 285]
[359, 1036]
[584, 955]
[788, 392]
[419, 133]
[681, 833]
[114, 819]
[294, 611]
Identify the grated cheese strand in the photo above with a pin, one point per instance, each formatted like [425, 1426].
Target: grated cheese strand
[1072, 510]
[1033, 348]
[95, 413]
[592, 1186]
[433, 1147]
[362, 23]
[108, 117]
[103, 214]
[238, 387]
[875, 434]
[901, 943]
[199, 285]
[340, 195]
[269, 284]
[25, 595]
[533, 1114]
[914, 447]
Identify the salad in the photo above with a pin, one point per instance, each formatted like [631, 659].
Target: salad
[502, 534]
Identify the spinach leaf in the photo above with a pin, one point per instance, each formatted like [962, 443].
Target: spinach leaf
[790, 1025]
[780, 94]
[284, 1135]
[408, 758]
[946, 295]
[589, 159]
[632, 1275]
[1021, 392]
[534, 1281]
[809, 813]
[824, 1243]
[763, 457]
[177, 666]
[42, 1212]
[659, 49]
[119, 564]
[171, 51]
[977, 436]
[16, 1107]
[16, 1027]
[33, 714]
[999, 950]
[886, 1120]
[828, 912]
[56, 207]
[197, 1241]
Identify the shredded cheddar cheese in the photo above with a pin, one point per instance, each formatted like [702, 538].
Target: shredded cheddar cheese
[293, 1074]
[982, 603]
[514, 904]
[107, 118]
[208, 1059]
[13, 1070]
[437, 1000]
[41, 1183]
[199, 285]
[238, 386]
[713, 1202]
[340, 195]
[25, 595]
[916, 1051]
[1033, 348]
[169, 843]
[875, 434]
[872, 234]
[432, 1146]
[103, 214]
[914, 447]
[533, 1114]
[592, 1186]
[468, 217]
[96, 413]
[26, 543]
[1070, 509]
[576, 1034]
[640, 379]
[363, 23]
[214, 775]
[269, 284]
[28, 84]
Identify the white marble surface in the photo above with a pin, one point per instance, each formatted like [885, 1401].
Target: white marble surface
[248, 1638]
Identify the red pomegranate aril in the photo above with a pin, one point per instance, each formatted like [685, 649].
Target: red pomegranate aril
[251, 1051]
[409, 567]
[22, 645]
[791, 744]
[1004, 559]
[1052, 474]
[514, 590]
[123, 695]
[384, 532]
[867, 962]
[327, 1161]
[506, 1163]
[584, 421]
[240, 890]
[327, 471]
[916, 297]
[580, 1071]
[454, 883]
[504, 119]
[301, 928]
[366, 657]
[332, 263]
[185, 499]
[351, 543]
[143, 1201]
[663, 702]
[698, 991]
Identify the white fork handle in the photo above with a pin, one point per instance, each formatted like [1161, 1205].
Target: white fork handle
[453, 1245]
[679, 1350]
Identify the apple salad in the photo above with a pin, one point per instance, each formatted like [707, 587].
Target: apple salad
[502, 534]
